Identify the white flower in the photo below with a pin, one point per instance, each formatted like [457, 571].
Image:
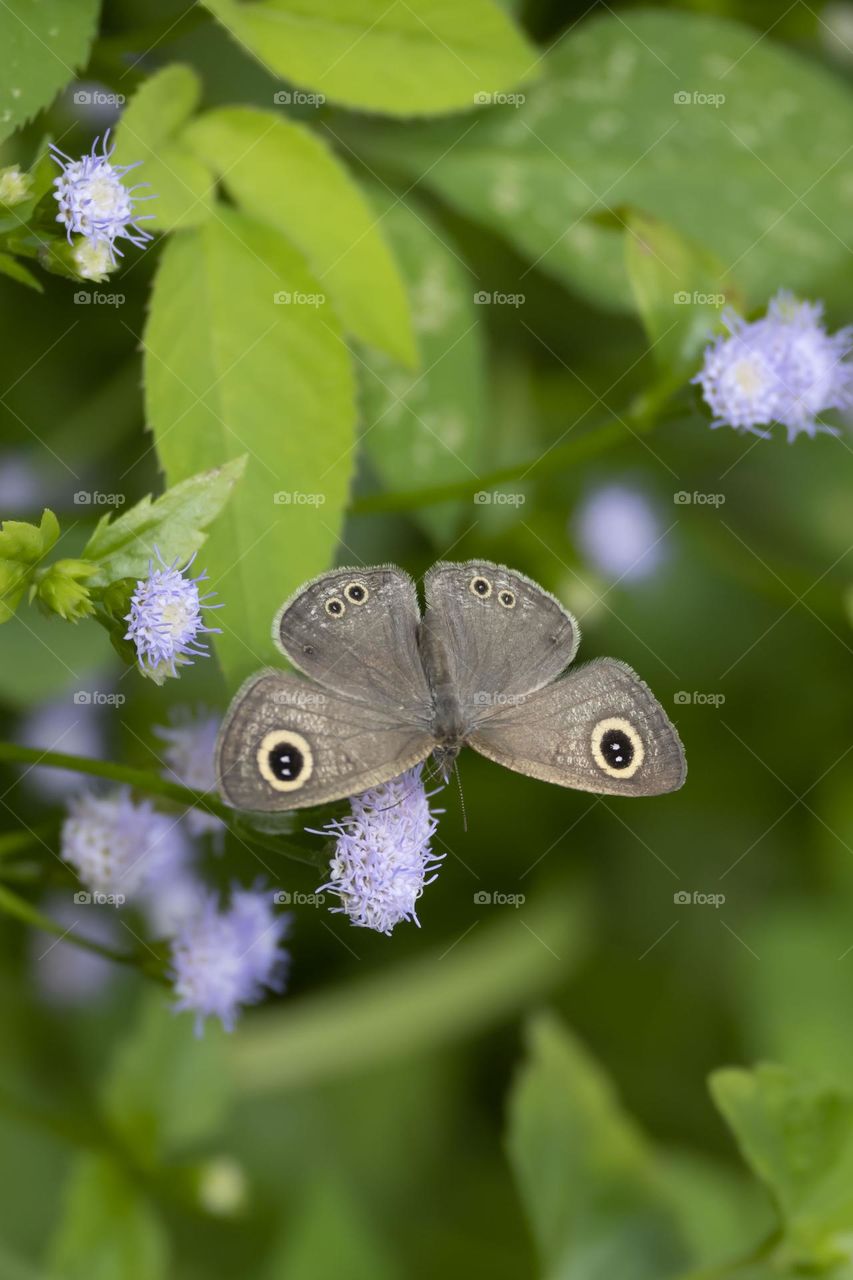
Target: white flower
[93, 200]
[383, 857]
[14, 186]
[783, 368]
[92, 259]
[165, 620]
[116, 845]
[190, 755]
[224, 959]
[619, 532]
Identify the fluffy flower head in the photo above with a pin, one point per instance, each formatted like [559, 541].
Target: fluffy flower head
[165, 620]
[783, 368]
[619, 532]
[383, 860]
[93, 200]
[224, 959]
[190, 746]
[116, 845]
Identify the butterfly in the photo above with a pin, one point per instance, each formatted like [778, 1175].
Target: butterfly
[484, 667]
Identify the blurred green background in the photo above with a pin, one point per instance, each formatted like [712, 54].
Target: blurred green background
[358, 1125]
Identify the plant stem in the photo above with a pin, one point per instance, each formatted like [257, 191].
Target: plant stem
[22, 910]
[141, 778]
[144, 780]
[639, 418]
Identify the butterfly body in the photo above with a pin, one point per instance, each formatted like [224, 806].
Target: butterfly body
[387, 688]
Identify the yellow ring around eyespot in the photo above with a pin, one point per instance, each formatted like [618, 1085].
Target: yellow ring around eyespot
[357, 583]
[284, 737]
[479, 578]
[335, 600]
[624, 726]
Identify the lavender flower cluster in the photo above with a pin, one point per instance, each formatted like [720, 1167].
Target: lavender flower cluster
[783, 368]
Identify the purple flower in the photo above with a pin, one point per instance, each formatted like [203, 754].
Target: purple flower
[116, 846]
[224, 959]
[782, 368]
[383, 857]
[165, 620]
[619, 532]
[191, 742]
[93, 200]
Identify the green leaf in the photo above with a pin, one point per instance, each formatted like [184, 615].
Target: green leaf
[590, 1186]
[149, 131]
[402, 59]
[429, 425]
[166, 1088]
[228, 372]
[22, 547]
[679, 289]
[106, 1229]
[330, 1226]
[43, 43]
[16, 270]
[752, 179]
[282, 174]
[797, 1136]
[174, 525]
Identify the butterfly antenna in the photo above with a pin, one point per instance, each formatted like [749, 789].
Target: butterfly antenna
[461, 795]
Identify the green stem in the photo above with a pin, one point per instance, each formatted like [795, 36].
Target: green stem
[639, 418]
[144, 780]
[24, 911]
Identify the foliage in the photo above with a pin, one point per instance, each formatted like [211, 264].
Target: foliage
[424, 281]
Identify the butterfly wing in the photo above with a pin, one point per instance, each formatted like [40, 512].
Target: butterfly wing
[490, 634]
[599, 728]
[289, 744]
[356, 631]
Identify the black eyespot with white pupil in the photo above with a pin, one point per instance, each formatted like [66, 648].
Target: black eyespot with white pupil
[285, 759]
[480, 587]
[507, 598]
[356, 592]
[617, 747]
[335, 607]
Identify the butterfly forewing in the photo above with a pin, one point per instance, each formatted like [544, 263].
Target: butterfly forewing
[356, 631]
[491, 634]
